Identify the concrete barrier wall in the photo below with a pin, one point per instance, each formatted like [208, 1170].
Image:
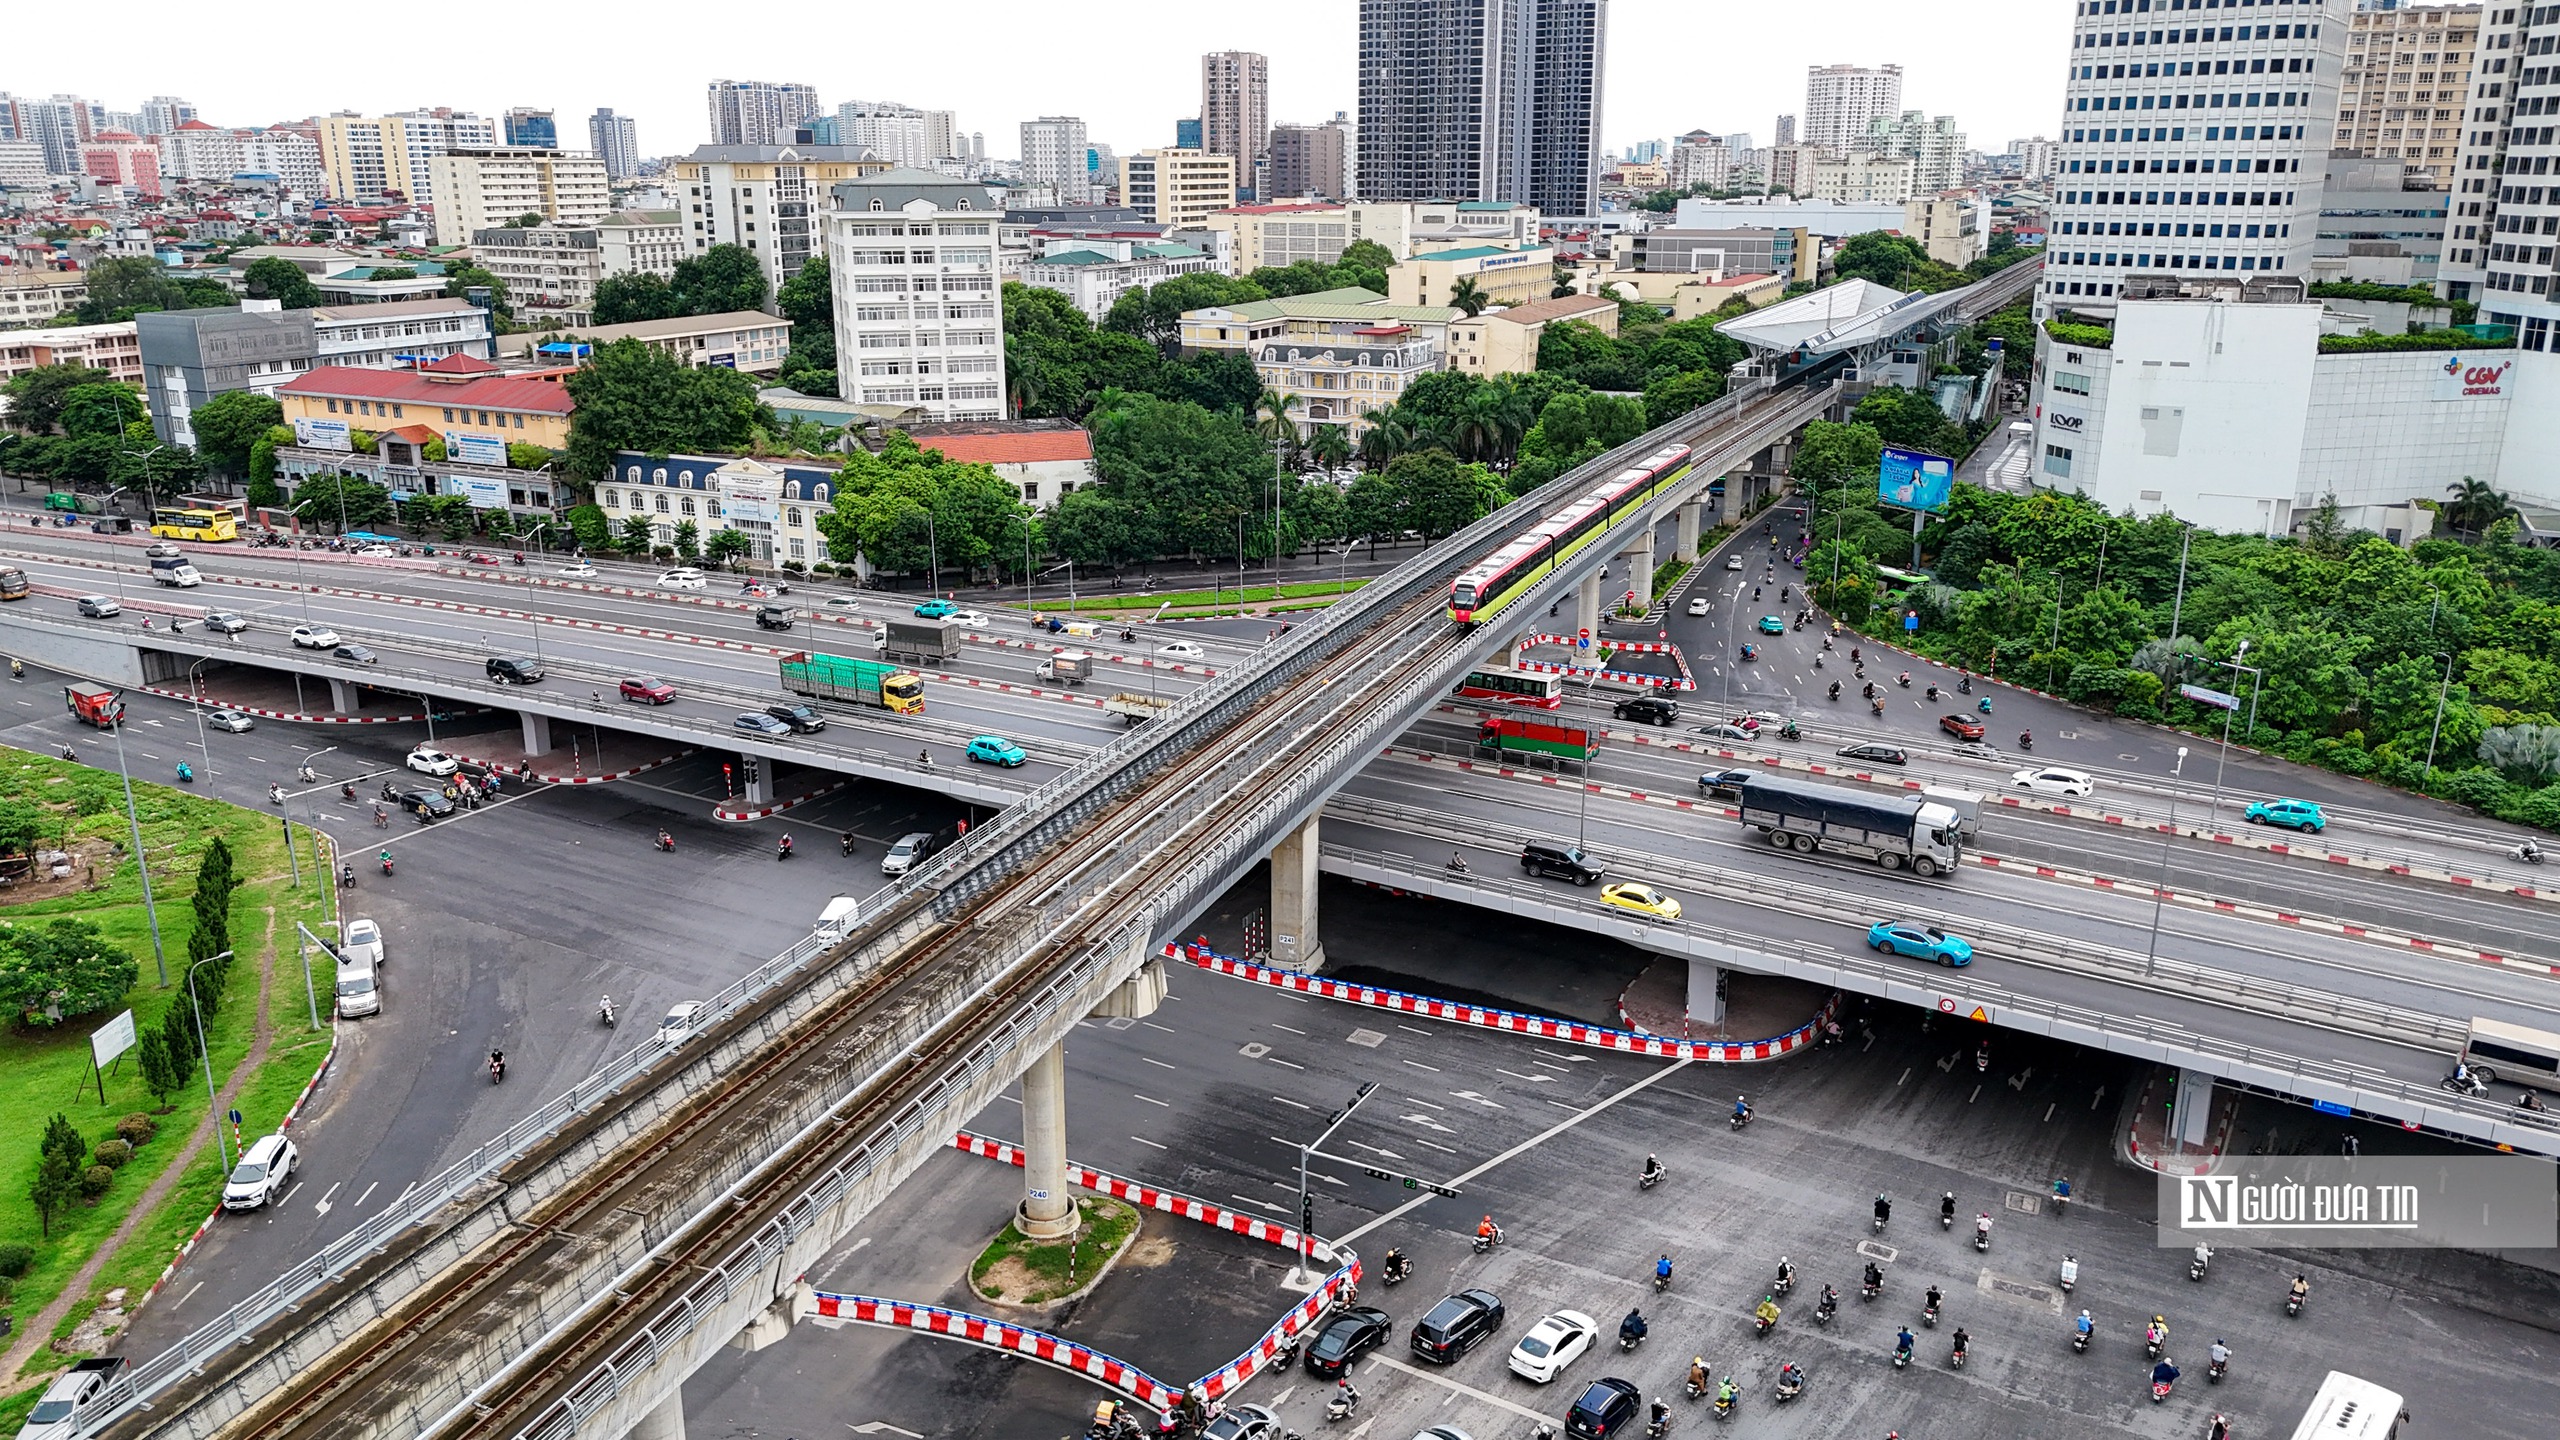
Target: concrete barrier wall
[108, 659]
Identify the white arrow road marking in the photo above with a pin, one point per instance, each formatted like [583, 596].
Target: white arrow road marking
[1427, 1123]
[1470, 1095]
[1532, 1079]
[321, 1206]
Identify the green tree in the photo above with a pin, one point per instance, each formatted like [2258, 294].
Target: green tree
[228, 426]
[688, 540]
[274, 278]
[591, 527]
[61, 972]
[881, 503]
[342, 502]
[1910, 419]
[1091, 527]
[161, 1074]
[1154, 313]
[2473, 505]
[639, 295]
[722, 279]
[55, 1185]
[37, 397]
[1189, 473]
[1329, 447]
[632, 397]
[1880, 256]
[639, 535]
[726, 546]
[101, 410]
[122, 286]
[1674, 395]
[22, 824]
[463, 279]
[1831, 452]
[530, 220]
[392, 272]
[1439, 495]
[807, 301]
[1468, 296]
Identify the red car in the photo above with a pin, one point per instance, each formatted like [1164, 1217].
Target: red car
[1961, 727]
[647, 689]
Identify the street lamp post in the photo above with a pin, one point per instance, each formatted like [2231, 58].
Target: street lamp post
[933, 556]
[2160, 892]
[2056, 642]
[212, 1103]
[2213, 817]
[1733, 662]
[1582, 825]
[195, 688]
[141, 858]
[2437, 728]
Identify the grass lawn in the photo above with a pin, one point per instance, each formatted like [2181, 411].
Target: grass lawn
[47, 1070]
[1018, 1271]
[1113, 600]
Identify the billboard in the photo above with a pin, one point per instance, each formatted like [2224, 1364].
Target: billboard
[484, 492]
[322, 434]
[751, 498]
[1914, 479]
[470, 449]
[2462, 378]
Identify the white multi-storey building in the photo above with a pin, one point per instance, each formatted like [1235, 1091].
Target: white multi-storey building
[163, 113]
[1053, 154]
[193, 150]
[477, 188]
[371, 157]
[290, 156]
[760, 112]
[767, 198]
[1935, 148]
[2036, 158]
[912, 258]
[2401, 96]
[2191, 145]
[1841, 101]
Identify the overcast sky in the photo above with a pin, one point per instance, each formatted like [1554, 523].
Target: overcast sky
[1130, 69]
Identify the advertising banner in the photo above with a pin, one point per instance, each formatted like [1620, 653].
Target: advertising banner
[484, 492]
[2471, 378]
[1914, 479]
[470, 449]
[321, 434]
[751, 498]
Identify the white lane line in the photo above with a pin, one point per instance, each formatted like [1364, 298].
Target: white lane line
[1418, 1065]
[1427, 1105]
[1257, 1204]
[1416, 1030]
[1150, 1024]
[1158, 1064]
[1443, 1149]
[1016, 1099]
[368, 1192]
[1276, 1060]
[1459, 1387]
[1150, 1099]
[1285, 1100]
[1150, 1144]
[190, 1295]
[1292, 1029]
[287, 1197]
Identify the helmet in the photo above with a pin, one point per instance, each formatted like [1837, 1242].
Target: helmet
[2159, 1320]
[1782, 1261]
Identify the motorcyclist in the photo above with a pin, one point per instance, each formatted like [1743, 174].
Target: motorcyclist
[1903, 679]
[1789, 1377]
[1661, 1417]
[847, 841]
[2204, 1254]
[2084, 1325]
[1786, 1273]
[1964, 684]
[1884, 1209]
[2070, 1270]
[275, 793]
[1982, 1226]
[2062, 1188]
[1947, 1206]
[2220, 1429]
[1930, 1302]
[1741, 1107]
[1697, 1374]
[1874, 1277]
[1766, 1312]
[497, 1062]
[1662, 1272]
[1727, 1392]
[1652, 1168]
[1963, 1340]
[2158, 1332]
[1902, 1341]
[786, 842]
[1835, 689]
[666, 841]
[2026, 740]
[1633, 1327]
[1395, 1263]
[1489, 1232]
[1457, 862]
[1830, 1300]
[2165, 1373]
[2221, 1353]
[2301, 1289]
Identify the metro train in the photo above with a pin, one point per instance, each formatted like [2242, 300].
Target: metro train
[1497, 580]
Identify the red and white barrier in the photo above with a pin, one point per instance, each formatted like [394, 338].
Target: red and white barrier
[1037, 1345]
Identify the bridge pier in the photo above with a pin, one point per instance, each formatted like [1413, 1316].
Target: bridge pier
[1048, 1209]
[2192, 1119]
[664, 1423]
[345, 696]
[1639, 558]
[537, 732]
[1685, 542]
[1294, 873]
[1706, 993]
[1586, 606]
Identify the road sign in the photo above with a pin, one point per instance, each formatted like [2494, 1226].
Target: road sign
[1911, 623]
[111, 1039]
[2215, 698]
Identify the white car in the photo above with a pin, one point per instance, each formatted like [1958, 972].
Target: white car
[1556, 1341]
[579, 570]
[972, 620]
[362, 944]
[431, 762]
[1733, 562]
[376, 552]
[1182, 650]
[231, 720]
[261, 1174]
[678, 1025]
[1698, 606]
[683, 579]
[315, 637]
[2052, 780]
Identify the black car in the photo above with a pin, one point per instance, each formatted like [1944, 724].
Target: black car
[1648, 709]
[802, 719]
[1724, 784]
[1452, 1327]
[1557, 859]
[1607, 1406]
[1874, 754]
[1345, 1338]
[418, 800]
[514, 669]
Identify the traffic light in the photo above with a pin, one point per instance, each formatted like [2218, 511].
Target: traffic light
[751, 769]
[1307, 1214]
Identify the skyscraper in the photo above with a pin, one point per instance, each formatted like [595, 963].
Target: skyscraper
[2401, 95]
[1235, 108]
[1053, 154]
[2187, 191]
[1482, 100]
[2497, 243]
[164, 113]
[759, 112]
[1841, 101]
[616, 141]
[531, 129]
[1786, 130]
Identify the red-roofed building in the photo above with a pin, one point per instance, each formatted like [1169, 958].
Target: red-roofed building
[473, 411]
[1043, 459]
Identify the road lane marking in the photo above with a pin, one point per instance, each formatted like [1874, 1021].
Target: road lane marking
[1425, 1104]
[1418, 1065]
[1143, 1140]
[1460, 1388]
[1150, 1099]
[1417, 1030]
[368, 1192]
[190, 1295]
[1150, 1024]
[1292, 1029]
[1276, 1060]
[1285, 1100]
[321, 1206]
[1532, 1079]
[1158, 1064]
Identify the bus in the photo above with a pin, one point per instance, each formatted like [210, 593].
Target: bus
[2350, 1409]
[1502, 685]
[2513, 1053]
[195, 524]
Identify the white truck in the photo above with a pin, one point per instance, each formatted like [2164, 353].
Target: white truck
[1134, 708]
[1067, 667]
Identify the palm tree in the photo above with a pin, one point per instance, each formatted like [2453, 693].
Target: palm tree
[1021, 379]
[1329, 446]
[1512, 419]
[1468, 296]
[2475, 506]
[1477, 427]
[1385, 440]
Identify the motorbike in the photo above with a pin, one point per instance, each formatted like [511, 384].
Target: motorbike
[1901, 1356]
[186, 773]
[1964, 684]
[346, 792]
[2079, 1342]
[1487, 1242]
[2196, 1265]
[1341, 1405]
[1955, 1357]
[1628, 1340]
[2292, 1305]
[275, 794]
[782, 851]
[516, 559]
[2160, 1390]
[1656, 1429]
[2070, 1274]
[386, 865]
[2213, 1372]
[1783, 1284]
[1835, 690]
[1693, 1387]
[1933, 692]
[847, 844]
[1397, 1270]
[1982, 1059]
[1457, 865]
[1761, 1326]
[1650, 1178]
[1789, 731]
[2026, 740]
[497, 1069]
[1661, 1281]
[307, 775]
[604, 1012]
[1790, 1385]
[1903, 679]
[1823, 1312]
[1982, 1235]
[2472, 1080]
[346, 877]
[2152, 1340]
[2528, 852]
[1740, 1119]
[1868, 1290]
[1725, 1404]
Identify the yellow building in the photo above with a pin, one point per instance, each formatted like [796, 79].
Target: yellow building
[1505, 342]
[1322, 317]
[1503, 275]
[462, 400]
[1178, 188]
[1706, 297]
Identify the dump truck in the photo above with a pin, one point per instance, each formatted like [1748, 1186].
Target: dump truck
[775, 617]
[93, 704]
[905, 639]
[1510, 735]
[1067, 667]
[854, 682]
[1134, 708]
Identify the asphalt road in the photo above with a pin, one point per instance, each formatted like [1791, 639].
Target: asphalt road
[1210, 1095]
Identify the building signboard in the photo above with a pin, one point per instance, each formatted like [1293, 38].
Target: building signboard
[2463, 377]
[756, 499]
[483, 491]
[322, 434]
[466, 448]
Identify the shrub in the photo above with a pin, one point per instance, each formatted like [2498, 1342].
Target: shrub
[2424, 340]
[794, 566]
[137, 1129]
[95, 1180]
[15, 1257]
[114, 1153]
[2476, 787]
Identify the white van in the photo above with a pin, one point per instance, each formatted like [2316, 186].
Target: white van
[359, 991]
[841, 915]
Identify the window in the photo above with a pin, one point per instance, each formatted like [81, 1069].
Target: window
[662, 504]
[684, 506]
[2057, 461]
[2070, 384]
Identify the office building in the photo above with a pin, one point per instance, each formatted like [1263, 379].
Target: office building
[898, 134]
[1857, 178]
[1282, 234]
[203, 153]
[1482, 100]
[759, 112]
[1504, 340]
[551, 271]
[1698, 158]
[292, 157]
[1935, 148]
[1841, 101]
[1178, 189]
[21, 165]
[374, 158]
[191, 356]
[770, 199]
[530, 129]
[1307, 162]
[163, 113]
[1186, 134]
[30, 297]
[1504, 275]
[748, 340]
[1053, 155]
[2381, 223]
[1235, 109]
[2036, 159]
[2499, 246]
[912, 257]
[111, 347]
[1095, 272]
[479, 188]
[59, 125]
[123, 159]
[2198, 153]
[2401, 96]
[616, 141]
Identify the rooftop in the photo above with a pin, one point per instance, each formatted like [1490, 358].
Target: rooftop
[1476, 252]
[489, 393]
[1348, 303]
[1289, 208]
[1561, 307]
[390, 309]
[657, 329]
[1005, 442]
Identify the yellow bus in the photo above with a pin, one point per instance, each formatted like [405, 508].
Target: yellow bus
[195, 524]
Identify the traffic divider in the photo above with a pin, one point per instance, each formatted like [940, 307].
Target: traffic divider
[1108, 1371]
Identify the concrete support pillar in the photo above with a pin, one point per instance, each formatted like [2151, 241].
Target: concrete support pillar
[664, 1423]
[1048, 1209]
[537, 733]
[345, 696]
[2192, 1120]
[1639, 558]
[1139, 996]
[1586, 607]
[1706, 995]
[755, 774]
[1294, 940]
[1685, 547]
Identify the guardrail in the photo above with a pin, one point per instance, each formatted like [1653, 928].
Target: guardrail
[2276, 1070]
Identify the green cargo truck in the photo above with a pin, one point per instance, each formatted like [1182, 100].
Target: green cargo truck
[854, 682]
[1509, 735]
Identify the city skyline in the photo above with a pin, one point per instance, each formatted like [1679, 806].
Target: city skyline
[1153, 71]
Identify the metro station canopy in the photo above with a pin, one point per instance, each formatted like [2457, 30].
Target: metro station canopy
[1853, 315]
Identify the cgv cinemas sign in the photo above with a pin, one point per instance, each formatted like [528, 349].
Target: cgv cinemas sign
[2463, 379]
